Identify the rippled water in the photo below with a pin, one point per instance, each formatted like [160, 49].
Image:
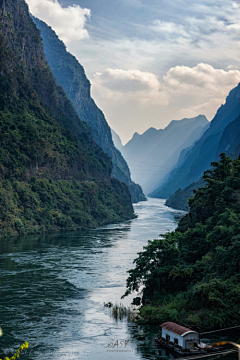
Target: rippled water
[53, 288]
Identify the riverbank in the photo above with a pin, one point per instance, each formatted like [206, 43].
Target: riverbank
[53, 287]
[46, 206]
[191, 275]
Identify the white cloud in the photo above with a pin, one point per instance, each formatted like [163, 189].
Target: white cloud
[202, 77]
[209, 108]
[232, 67]
[188, 90]
[68, 22]
[199, 89]
[206, 25]
[129, 85]
[199, 83]
[127, 80]
[194, 30]
[155, 41]
[169, 28]
[235, 27]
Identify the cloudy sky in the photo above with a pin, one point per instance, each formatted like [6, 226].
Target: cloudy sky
[151, 61]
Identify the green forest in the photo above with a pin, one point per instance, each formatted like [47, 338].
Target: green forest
[53, 175]
[191, 275]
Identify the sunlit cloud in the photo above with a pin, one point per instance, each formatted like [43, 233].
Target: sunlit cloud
[202, 77]
[199, 89]
[169, 60]
[127, 80]
[209, 107]
[189, 90]
[125, 85]
[69, 23]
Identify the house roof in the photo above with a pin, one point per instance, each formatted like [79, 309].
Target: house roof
[177, 329]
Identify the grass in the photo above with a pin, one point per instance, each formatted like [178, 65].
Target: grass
[120, 312]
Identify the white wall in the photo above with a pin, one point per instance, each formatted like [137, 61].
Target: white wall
[173, 336]
[181, 339]
[190, 336]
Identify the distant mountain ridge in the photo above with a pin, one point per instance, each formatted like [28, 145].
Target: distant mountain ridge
[70, 74]
[221, 136]
[153, 154]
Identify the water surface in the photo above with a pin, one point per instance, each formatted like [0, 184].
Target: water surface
[53, 288]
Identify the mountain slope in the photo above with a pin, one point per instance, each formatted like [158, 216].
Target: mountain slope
[71, 76]
[117, 141]
[153, 154]
[50, 179]
[230, 138]
[191, 275]
[206, 150]
[230, 144]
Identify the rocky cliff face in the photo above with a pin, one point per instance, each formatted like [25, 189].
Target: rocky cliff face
[24, 40]
[71, 76]
[230, 139]
[53, 175]
[117, 141]
[26, 76]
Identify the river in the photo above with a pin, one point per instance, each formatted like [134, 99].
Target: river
[53, 288]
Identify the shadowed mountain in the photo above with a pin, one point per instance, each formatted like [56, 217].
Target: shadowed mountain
[117, 141]
[71, 76]
[207, 149]
[53, 175]
[230, 140]
[153, 154]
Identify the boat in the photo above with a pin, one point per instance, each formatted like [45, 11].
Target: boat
[182, 341]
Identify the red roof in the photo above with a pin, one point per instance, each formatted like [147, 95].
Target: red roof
[177, 329]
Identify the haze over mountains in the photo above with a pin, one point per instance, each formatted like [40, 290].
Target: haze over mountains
[71, 76]
[223, 135]
[153, 154]
[169, 163]
[43, 137]
[161, 161]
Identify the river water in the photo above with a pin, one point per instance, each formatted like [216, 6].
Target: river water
[53, 288]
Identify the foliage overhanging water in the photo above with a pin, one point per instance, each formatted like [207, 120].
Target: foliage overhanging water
[53, 288]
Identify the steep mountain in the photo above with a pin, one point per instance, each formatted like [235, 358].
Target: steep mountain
[230, 138]
[71, 76]
[207, 149]
[153, 154]
[229, 144]
[53, 175]
[117, 141]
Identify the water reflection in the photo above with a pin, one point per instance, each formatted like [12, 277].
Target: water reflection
[53, 288]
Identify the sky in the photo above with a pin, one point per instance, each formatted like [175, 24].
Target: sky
[151, 61]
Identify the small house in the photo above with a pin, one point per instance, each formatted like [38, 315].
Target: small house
[179, 335]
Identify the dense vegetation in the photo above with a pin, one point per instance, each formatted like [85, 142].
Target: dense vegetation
[43, 205]
[179, 200]
[191, 275]
[71, 76]
[50, 178]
